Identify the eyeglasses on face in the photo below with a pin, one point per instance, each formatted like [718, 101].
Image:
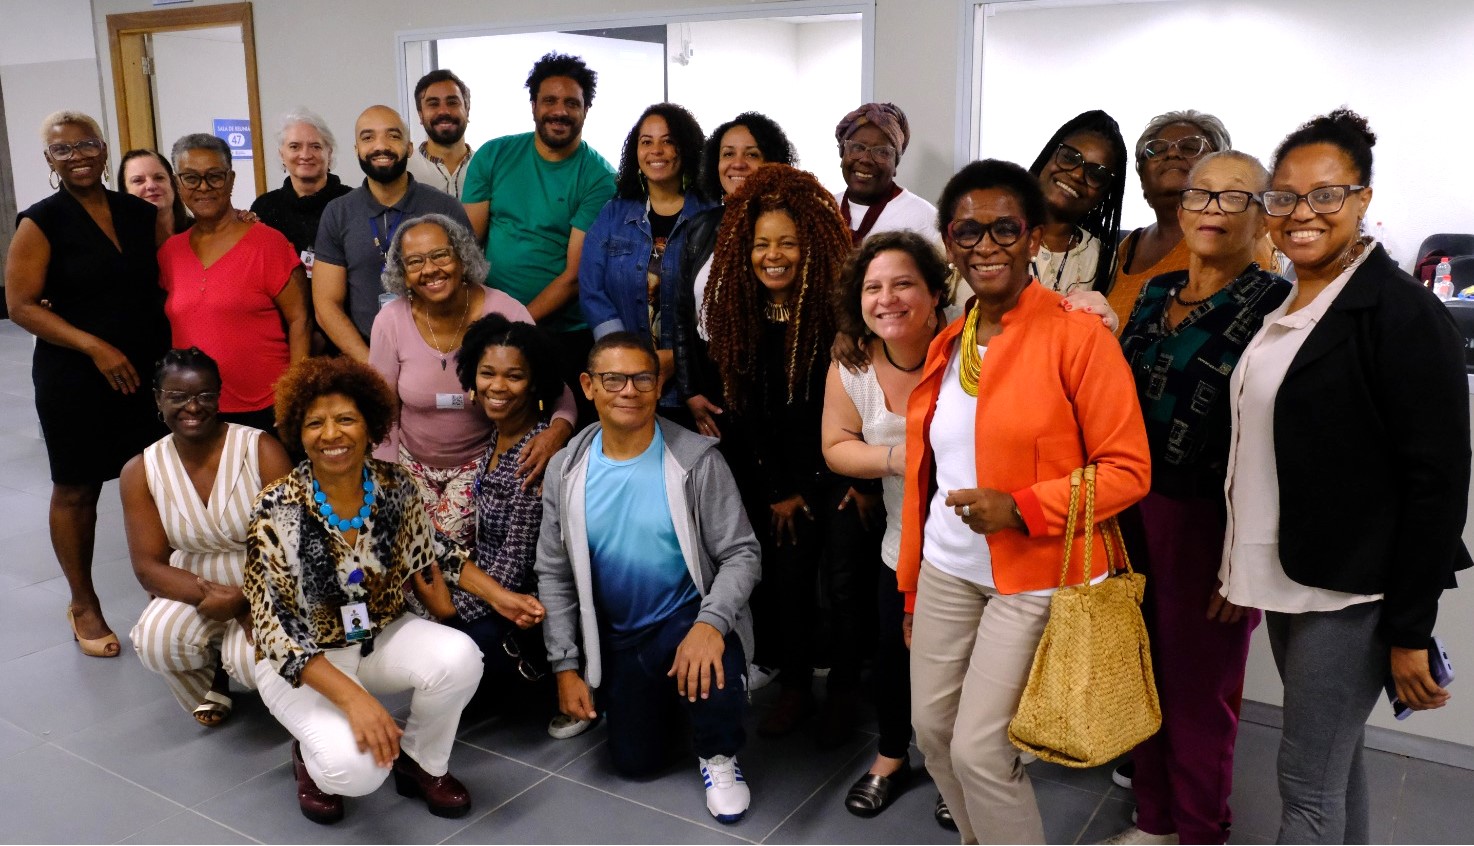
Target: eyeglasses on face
[440, 257]
[1327, 199]
[179, 399]
[1068, 158]
[88, 147]
[967, 233]
[1189, 148]
[881, 153]
[212, 178]
[614, 382]
[1229, 202]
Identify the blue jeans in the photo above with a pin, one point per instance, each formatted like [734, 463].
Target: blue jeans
[642, 702]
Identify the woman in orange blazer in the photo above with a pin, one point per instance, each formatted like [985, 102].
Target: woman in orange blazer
[1015, 395]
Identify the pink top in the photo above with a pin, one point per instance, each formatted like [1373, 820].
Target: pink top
[228, 310]
[437, 425]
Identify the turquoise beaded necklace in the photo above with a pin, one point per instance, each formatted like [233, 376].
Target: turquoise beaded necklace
[344, 524]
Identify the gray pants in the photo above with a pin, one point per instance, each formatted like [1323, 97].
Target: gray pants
[1333, 666]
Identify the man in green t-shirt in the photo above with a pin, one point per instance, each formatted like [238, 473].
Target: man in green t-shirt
[533, 196]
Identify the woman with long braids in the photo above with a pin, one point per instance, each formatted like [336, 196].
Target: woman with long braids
[778, 256]
[1082, 171]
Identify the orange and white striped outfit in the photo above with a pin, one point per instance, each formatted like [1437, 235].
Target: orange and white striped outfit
[173, 638]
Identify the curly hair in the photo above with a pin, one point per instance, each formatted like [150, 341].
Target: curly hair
[1104, 219]
[193, 358]
[201, 141]
[986, 174]
[474, 266]
[685, 135]
[495, 330]
[311, 378]
[847, 313]
[735, 303]
[774, 144]
[561, 64]
[182, 220]
[1342, 128]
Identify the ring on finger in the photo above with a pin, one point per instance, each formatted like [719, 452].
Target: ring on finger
[967, 510]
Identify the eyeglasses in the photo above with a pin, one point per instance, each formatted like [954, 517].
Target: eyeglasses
[1189, 148]
[614, 382]
[179, 399]
[1327, 199]
[513, 650]
[88, 147]
[883, 153]
[1229, 202]
[440, 257]
[967, 233]
[213, 178]
[1068, 158]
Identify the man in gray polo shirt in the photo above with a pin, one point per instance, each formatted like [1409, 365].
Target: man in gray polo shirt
[356, 230]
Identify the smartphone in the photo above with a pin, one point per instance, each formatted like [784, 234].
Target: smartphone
[1439, 667]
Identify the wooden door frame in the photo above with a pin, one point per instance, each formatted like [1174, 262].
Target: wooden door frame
[125, 33]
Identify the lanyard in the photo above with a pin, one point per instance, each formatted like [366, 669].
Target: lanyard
[382, 242]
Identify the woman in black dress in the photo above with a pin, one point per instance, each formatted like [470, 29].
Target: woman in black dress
[81, 276]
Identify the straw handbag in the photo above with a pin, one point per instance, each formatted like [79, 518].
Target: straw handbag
[1090, 696]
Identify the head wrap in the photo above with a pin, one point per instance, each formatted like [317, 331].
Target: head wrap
[887, 117]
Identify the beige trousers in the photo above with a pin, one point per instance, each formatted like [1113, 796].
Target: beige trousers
[175, 640]
[971, 649]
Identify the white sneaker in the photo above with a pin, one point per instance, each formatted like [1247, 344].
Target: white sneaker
[758, 677]
[1136, 835]
[726, 791]
[563, 726]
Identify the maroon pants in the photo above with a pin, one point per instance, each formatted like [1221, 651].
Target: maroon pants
[1184, 773]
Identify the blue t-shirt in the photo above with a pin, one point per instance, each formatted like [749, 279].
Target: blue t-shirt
[640, 576]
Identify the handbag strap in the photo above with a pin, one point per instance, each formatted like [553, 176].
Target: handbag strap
[1110, 530]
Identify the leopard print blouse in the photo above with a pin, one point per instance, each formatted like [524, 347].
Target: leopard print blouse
[298, 569]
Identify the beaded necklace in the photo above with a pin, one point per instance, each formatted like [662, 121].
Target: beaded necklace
[343, 524]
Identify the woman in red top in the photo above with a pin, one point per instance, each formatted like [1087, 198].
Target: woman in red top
[1017, 394]
[234, 289]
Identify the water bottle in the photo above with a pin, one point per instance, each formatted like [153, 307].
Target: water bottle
[1443, 280]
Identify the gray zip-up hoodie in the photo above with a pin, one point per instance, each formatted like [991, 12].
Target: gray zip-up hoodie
[721, 552]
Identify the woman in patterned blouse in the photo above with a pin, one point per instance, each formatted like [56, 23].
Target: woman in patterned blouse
[1183, 341]
[331, 548]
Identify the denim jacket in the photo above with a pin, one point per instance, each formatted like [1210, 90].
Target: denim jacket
[611, 274]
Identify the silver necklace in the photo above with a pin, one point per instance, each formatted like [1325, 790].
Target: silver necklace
[461, 327]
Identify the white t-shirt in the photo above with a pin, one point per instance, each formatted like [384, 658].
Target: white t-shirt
[947, 543]
[906, 211]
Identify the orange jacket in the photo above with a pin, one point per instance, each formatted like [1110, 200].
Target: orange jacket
[1054, 394]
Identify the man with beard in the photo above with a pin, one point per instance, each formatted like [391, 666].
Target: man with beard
[356, 230]
[533, 196]
[444, 104]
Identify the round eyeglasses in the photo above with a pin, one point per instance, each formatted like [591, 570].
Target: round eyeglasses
[1068, 158]
[1189, 148]
[967, 233]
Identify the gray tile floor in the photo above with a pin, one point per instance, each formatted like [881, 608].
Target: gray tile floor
[96, 750]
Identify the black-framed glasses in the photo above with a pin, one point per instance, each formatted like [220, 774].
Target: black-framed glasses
[1229, 202]
[1068, 158]
[881, 153]
[88, 147]
[614, 382]
[1327, 199]
[179, 399]
[440, 257]
[512, 649]
[211, 178]
[966, 232]
[1189, 148]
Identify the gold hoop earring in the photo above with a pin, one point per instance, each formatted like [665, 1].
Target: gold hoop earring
[54, 179]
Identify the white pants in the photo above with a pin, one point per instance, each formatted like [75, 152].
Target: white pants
[175, 640]
[441, 665]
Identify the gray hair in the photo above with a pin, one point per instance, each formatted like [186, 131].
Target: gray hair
[67, 116]
[200, 141]
[474, 265]
[1210, 125]
[1258, 172]
[302, 114]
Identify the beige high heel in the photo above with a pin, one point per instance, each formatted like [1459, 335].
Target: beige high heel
[106, 646]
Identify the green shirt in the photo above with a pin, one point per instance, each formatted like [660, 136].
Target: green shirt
[534, 203]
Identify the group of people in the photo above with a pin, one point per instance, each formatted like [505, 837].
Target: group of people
[512, 424]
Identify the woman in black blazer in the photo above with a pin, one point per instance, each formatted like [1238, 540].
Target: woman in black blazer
[1348, 477]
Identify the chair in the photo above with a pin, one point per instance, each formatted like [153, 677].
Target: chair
[1461, 268]
[1448, 243]
[1463, 315]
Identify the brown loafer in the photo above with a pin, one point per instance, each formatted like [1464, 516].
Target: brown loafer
[445, 795]
[874, 793]
[322, 808]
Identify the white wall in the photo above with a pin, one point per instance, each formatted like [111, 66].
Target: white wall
[183, 106]
[49, 63]
[827, 70]
[1264, 67]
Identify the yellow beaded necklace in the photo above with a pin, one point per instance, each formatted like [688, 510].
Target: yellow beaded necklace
[971, 363]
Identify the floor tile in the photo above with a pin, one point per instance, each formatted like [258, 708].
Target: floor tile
[51, 796]
[1112, 817]
[823, 818]
[561, 811]
[525, 739]
[1066, 811]
[59, 691]
[31, 619]
[14, 739]
[1435, 805]
[188, 829]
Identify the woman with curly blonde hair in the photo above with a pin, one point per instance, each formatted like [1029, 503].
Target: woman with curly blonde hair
[778, 256]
